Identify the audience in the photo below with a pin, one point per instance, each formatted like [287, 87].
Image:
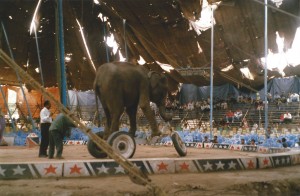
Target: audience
[215, 140]
[224, 105]
[283, 142]
[229, 116]
[242, 141]
[281, 118]
[287, 118]
[277, 96]
[295, 97]
[240, 99]
[206, 140]
[238, 114]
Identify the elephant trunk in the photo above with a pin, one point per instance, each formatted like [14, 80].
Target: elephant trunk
[163, 114]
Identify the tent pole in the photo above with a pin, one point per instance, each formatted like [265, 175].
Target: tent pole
[211, 71]
[61, 48]
[266, 69]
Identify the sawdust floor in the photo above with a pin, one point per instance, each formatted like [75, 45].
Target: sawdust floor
[280, 181]
[80, 152]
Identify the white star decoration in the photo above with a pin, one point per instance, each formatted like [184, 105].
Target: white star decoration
[277, 161]
[208, 166]
[220, 165]
[120, 169]
[231, 165]
[139, 167]
[287, 160]
[2, 171]
[102, 169]
[283, 160]
[19, 170]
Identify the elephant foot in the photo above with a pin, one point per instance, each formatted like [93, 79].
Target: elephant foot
[161, 134]
[153, 140]
[156, 137]
[156, 134]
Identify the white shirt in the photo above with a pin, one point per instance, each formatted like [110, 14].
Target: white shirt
[287, 116]
[238, 113]
[45, 116]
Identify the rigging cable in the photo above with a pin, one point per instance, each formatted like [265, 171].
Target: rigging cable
[105, 39]
[39, 58]
[125, 43]
[19, 79]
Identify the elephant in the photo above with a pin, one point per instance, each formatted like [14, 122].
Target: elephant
[122, 86]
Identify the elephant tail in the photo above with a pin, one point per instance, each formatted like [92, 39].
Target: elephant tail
[97, 94]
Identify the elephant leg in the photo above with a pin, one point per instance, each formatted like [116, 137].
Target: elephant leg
[108, 122]
[151, 119]
[115, 121]
[132, 118]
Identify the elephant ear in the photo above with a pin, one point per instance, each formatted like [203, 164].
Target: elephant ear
[157, 79]
[153, 78]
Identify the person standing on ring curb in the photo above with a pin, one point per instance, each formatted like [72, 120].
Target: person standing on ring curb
[59, 128]
[46, 120]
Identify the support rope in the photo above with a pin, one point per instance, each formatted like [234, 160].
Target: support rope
[106, 46]
[19, 79]
[39, 58]
[136, 175]
[125, 42]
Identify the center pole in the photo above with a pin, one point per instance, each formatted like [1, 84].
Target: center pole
[211, 71]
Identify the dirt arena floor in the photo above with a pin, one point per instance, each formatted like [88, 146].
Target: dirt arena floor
[24, 154]
[280, 181]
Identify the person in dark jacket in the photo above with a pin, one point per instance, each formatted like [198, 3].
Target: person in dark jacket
[59, 128]
[283, 142]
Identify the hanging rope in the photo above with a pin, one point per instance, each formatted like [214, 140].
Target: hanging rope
[6, 105]
[125, 43]
[106, 46]
[277, 9]
[19, 79]
[39, 58]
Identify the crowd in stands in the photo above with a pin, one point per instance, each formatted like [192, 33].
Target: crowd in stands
[231, 115]
[236, 115]
[188, 135]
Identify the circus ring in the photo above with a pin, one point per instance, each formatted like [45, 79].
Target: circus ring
[159, 161]
[13, 167]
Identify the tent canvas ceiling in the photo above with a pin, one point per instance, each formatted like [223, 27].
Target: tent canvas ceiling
[158, 31]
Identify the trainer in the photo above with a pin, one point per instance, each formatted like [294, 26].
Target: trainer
[59, 128]
[46, 120]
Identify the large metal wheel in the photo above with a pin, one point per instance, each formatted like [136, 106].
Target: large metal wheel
[122, 143]
[179, 144]
[94, 150]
